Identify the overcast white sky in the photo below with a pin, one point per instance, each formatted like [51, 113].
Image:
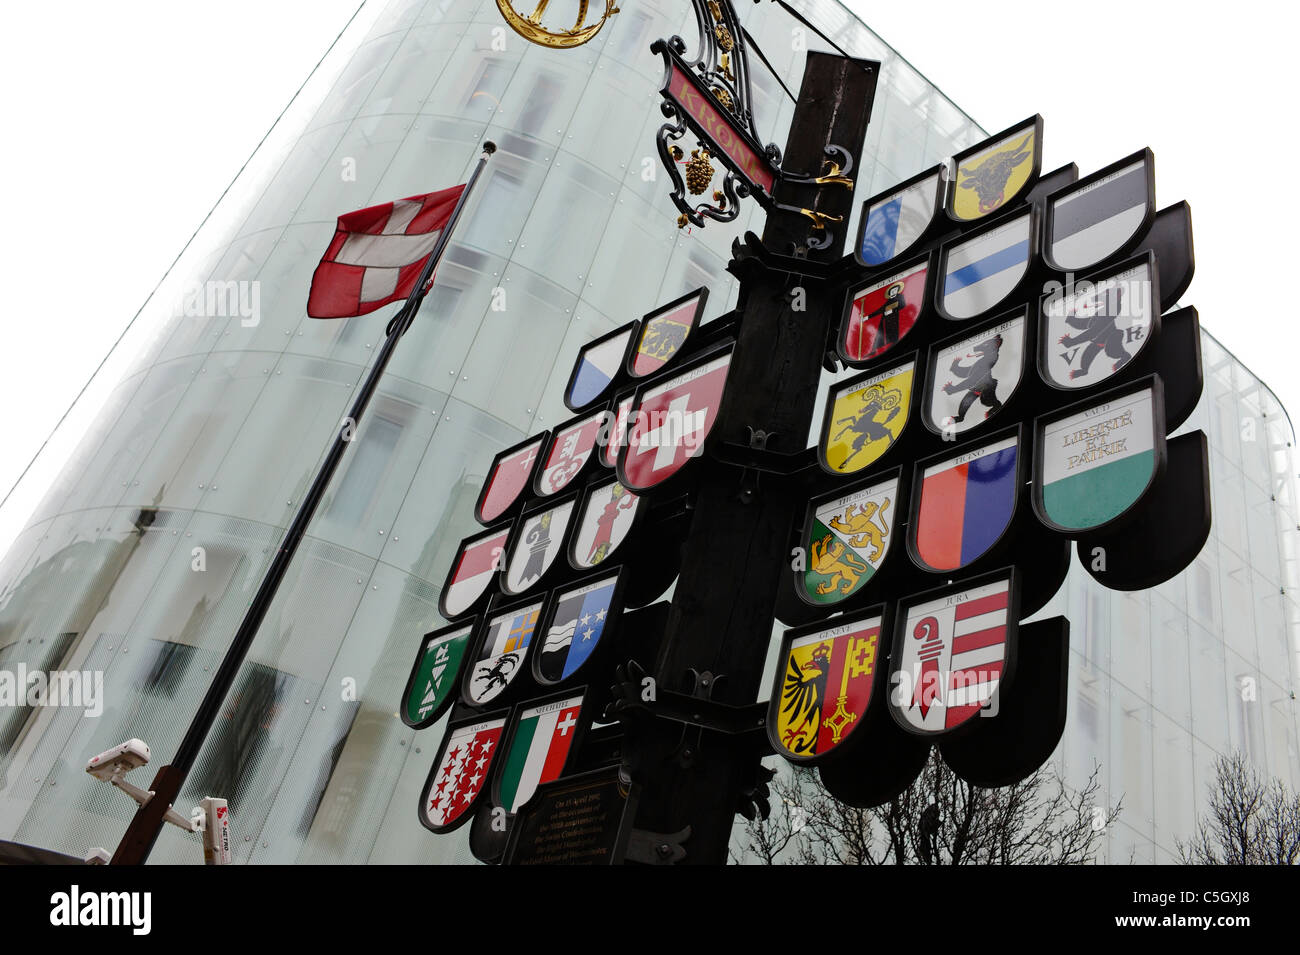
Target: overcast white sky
[126, 121]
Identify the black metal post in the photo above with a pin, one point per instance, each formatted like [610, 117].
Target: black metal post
[143, 832]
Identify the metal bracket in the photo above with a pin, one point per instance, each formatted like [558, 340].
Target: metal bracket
[695, 709]
[657, 848]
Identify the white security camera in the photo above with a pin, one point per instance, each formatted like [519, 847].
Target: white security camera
[120, 759]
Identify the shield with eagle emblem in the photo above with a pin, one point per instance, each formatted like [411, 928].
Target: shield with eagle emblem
[823, 684]
[846, 538]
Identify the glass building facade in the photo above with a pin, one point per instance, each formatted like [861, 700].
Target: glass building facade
[140, 559]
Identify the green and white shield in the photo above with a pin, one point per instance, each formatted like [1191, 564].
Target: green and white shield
[433, 680]
[1096, 462]
[846, 539]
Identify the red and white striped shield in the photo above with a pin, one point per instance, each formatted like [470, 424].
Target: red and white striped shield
[671, 421]
[951, 653]
[472, 571]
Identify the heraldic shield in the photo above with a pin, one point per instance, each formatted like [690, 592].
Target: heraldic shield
[971, 376]
[570, 449]
[879, 313]
[825, 676]
[953, 648]
[847, 536]
[964, 502]
[1101, 215]
[980, 271]
[615, 430]
[865, 416]
[431, 687]
[608, 513]
[535, 545]
[576, 621]
[500, 652]
[1097, 459]
[1091, 331]
[463, 766]
[995, 173]
[537, 746]
[508, 479]
[671, 421]
[599, 364]
[663, 334]
[472, 572]
[894, 221]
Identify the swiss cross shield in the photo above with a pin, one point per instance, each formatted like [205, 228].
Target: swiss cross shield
[847, 536]
[952, 650]
[824, 679]
[568, 452]
[1097, 459]
[537, 747]
[431, 687]
[964, 501]
[463, 767]
[663, 333]
[671, 420]
[472, 571]
[508, 479]
[1093, 329]
[537, 541]
[971, 376]
[500, 652]
[881, 312]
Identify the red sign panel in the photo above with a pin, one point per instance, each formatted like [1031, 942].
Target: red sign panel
[743, 157]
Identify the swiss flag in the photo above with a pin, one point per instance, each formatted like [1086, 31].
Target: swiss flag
[378, 253]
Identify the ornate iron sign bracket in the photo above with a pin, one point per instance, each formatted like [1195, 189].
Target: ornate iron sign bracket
[710, 95]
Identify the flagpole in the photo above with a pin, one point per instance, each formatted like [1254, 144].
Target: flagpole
[145, 827]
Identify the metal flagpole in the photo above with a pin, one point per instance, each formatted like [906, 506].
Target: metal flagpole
[143, 832]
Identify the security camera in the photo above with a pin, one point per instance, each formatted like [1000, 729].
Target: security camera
[122, 758]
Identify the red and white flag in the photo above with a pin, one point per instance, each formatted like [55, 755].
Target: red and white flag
[378, 253]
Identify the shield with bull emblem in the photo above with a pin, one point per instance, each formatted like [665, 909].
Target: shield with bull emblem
[995, 173]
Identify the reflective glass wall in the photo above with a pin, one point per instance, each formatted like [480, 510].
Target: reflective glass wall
[143, 554]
